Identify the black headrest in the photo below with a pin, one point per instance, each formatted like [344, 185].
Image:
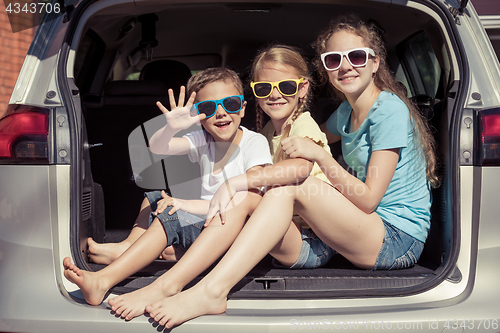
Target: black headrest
[172, 73]
[135, 88]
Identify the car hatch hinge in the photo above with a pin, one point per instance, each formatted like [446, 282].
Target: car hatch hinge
[67, 10]
[467, 137]
[457, 12]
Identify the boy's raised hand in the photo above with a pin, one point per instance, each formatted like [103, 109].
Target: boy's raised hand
[180, 117]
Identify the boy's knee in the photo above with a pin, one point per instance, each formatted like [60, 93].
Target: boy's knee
[156, 223]
[145, 203]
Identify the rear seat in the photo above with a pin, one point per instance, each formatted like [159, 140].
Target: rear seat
[125, 106]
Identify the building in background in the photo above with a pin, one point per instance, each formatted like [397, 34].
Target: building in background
[489, 11]
[13, 49]
[487, 7]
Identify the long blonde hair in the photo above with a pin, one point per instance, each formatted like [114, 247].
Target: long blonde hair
[383, 79]
[290, 57]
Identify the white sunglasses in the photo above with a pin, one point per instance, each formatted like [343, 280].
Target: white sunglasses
[357, 58]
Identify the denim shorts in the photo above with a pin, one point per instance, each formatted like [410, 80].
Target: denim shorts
[399, 249]
[182, 228]
[313, 254]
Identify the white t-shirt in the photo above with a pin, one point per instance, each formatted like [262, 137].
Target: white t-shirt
[252, 150]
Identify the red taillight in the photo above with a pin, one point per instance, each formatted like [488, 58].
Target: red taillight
[489, 140]
[24, 135]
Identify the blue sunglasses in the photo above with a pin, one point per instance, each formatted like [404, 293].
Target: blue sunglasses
[231, 104]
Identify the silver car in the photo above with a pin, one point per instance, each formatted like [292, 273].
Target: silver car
[72, 162]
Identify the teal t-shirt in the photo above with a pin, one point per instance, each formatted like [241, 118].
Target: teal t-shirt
[407, 202]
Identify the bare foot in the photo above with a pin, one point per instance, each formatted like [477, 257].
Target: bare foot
[133, 304]
[189, 304]
[91, 286]
[172, 253]
[105, 253]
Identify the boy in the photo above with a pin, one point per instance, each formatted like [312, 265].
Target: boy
[223, 149]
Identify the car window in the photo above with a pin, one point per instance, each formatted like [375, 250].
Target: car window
[90, 53]
[133, 76]
[489, 14]
[494, 35]
[420, 65]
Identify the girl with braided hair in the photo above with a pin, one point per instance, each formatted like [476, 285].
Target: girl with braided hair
[278, 62]
[283, 61]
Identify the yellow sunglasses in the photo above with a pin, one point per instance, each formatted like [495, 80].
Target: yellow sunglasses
[263, 89]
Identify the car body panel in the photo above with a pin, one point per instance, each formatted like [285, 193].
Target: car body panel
[478, 47]
[38, 75]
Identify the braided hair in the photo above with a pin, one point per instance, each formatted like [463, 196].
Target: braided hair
[290, 57]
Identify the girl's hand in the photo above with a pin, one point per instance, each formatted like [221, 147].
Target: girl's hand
[219, 203]
[180, 116]
[169, 201]
[296, 146]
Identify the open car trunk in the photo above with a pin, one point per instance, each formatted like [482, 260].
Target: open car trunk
[113, 50]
